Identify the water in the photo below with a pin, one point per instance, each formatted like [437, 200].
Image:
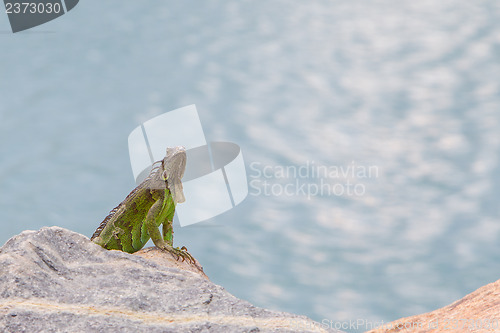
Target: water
[411, 88]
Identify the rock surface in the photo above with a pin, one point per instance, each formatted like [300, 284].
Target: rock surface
[477, 312]
[56, 280]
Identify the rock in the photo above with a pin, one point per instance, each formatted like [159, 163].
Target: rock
[55, 280]
[477, 312]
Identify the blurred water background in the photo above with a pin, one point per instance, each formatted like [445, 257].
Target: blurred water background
[410, 87]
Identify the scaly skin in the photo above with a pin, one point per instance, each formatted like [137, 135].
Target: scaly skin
[136, 219]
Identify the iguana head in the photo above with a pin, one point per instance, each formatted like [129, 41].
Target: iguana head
[174, 165]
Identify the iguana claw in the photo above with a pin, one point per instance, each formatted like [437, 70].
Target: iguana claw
[184, 254]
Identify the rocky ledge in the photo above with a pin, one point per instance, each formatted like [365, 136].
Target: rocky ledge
[56, 280]
[478, 312]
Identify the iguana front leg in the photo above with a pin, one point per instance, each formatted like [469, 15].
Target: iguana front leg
[156, 236]
[168, 231]
[168, 235]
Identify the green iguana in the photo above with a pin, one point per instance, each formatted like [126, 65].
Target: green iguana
[136, 219]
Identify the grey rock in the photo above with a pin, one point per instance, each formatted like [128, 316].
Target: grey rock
[56, 280]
